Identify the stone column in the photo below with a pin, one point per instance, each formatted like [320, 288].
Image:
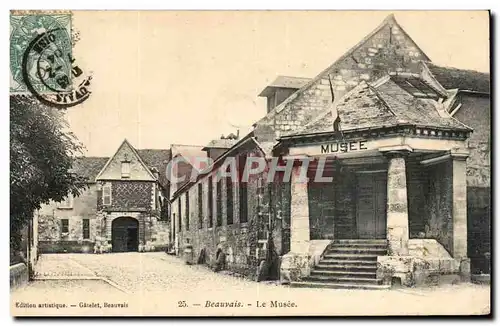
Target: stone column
[397, 204]
[459, 209]
[299, 214]
[295, 264]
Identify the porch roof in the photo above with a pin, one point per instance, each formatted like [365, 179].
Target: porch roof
[383, 104]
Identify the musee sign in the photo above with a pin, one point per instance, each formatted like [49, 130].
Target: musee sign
[344, 147]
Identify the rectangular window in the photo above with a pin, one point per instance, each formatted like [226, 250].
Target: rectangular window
[125, 169]
[67, 202]
[179, 212]
[86, 228]
[219, 202]
[187, 211]
[210, 203]
[243, 203]
[64, 225]
[106, 195]
[200, 205]
[229, 200]
[243, 200]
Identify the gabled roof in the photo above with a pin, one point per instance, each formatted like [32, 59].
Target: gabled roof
[88, 167]
[284, 82]
[453, 78]
[389, 20]
[126, 143]
[384, 105]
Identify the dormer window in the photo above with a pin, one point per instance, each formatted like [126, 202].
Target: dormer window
[125, 169]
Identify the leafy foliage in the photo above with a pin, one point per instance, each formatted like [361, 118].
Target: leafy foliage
[41, 154]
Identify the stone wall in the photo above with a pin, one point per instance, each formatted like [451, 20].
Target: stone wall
[50, 236]
[476, 113]
[439, 224]
[239, 241]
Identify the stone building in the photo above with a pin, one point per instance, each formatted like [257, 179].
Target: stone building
[407, 147]
[124, 206]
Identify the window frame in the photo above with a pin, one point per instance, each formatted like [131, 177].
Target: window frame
[210, 195]
[86, 228]
[125, 175]
[200, 205]
[63, 220]
[218, 201]
[179, 213]
[104, 187]
[229, 201]
[187, 210]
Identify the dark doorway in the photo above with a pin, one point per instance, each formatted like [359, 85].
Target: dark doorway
[371, 205]
[125, 235]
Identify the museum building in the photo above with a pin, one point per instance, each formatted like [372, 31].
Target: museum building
[403, 145]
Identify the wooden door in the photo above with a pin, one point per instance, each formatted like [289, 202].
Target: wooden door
[371, 205]
[321, 210]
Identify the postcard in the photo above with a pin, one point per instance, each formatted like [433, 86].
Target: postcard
[250, 163]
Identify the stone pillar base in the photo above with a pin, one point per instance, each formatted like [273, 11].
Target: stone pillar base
[294, 267]
[465, 270]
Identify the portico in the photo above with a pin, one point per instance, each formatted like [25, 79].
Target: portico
[402, 187]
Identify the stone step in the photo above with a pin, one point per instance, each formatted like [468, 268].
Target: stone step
[370, 257]
[342, 279]
[357, 246]
[360, 241]
[308, 284]
[368, 251]
[352, 262]
[346, 268]
[354, 274]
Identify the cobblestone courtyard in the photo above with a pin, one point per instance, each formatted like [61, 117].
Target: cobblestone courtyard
[158, 284]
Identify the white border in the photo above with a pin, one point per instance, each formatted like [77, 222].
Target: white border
[190, 5]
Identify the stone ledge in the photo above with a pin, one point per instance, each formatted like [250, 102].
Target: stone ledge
[19, 275]
[418, 271]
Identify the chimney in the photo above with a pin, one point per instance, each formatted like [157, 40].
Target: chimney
[280, 89]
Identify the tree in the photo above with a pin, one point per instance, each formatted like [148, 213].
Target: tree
[41, 155]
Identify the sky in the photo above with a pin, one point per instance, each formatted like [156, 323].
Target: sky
[187, 77]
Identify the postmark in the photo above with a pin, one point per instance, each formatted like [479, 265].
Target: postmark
[42, 62]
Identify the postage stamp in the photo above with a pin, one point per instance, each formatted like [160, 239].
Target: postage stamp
[23, 30]
[41, 59]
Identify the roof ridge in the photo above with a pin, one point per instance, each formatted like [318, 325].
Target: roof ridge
[384, 102]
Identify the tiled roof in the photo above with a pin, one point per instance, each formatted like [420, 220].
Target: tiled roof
[156, 158]
[285, 82]
[462, 79]
[221, 143]
[387, 105]
[88, 167]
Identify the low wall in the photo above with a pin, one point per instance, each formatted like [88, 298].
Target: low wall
[62, 246]
[19, 275]
[428, 263]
